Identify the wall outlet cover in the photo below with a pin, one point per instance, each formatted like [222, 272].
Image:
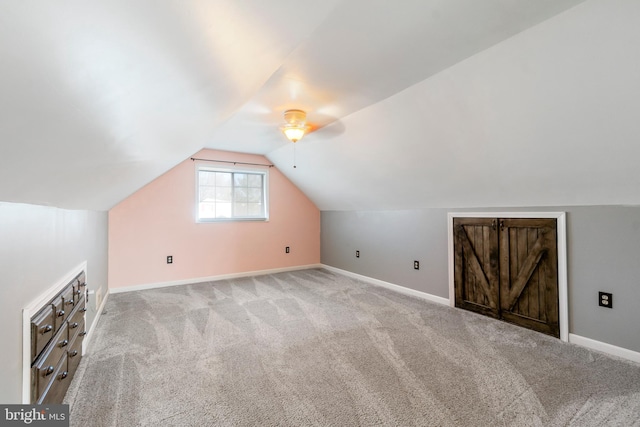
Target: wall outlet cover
[605, 299]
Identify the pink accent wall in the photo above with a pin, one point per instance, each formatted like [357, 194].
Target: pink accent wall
[160, 220]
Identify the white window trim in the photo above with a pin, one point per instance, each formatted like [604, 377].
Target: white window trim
[240, 169]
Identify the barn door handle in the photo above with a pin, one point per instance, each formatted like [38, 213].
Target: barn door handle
[493, 224]
[501, 225]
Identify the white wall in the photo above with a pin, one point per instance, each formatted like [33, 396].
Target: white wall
[39, 246]
[548, 117]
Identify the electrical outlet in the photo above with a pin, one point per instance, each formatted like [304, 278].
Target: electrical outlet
[286, 250]
[357, 254]
[416, 265]
[605, 299]
[169, 259]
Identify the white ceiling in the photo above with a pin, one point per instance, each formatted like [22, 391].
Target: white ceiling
[368, 50]
[424, 102]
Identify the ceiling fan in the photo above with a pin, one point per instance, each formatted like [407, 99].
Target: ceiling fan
[296, 125]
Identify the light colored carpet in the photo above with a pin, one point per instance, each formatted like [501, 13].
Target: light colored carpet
[313, 348]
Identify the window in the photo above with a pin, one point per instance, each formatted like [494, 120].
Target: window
[229, 194]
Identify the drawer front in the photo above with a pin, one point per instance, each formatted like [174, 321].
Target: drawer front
[77, 313]
[34, 385]
[80, 288]
[49, 360]
[57, 387]
[74, 354]
[42, 330]
[67, 299]
[60, 313]
[75, 327]
[78, 294]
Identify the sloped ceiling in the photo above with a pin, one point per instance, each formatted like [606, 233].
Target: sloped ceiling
[417, 103]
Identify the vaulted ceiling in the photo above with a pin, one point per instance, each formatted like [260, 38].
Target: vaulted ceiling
[417, 103]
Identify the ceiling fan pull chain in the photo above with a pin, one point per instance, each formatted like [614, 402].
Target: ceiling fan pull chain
[294, 155]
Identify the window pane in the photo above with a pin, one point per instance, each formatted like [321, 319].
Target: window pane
[223, 179]
[207, 210]
[227, 195]
[240, 194]
[240, 209]
[207, 194]
[223, 194]
[255, 195]
[240, 179]
[207, 178]
[254, 209]
[223, 210]
[255, 181]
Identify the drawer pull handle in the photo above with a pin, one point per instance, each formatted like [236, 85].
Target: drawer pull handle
[64, 375]
[83, 333]
[77, 292]
[83, 309]
[83, 284]
[47, 328]
[73, 353]
[73, 325]
[64, 343]
[60, 313]
[70, 301]
[49, 371]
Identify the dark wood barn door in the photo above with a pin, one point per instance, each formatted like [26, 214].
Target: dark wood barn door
[507, 268]
[477, 276]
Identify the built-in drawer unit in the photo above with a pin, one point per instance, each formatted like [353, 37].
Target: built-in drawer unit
[60, 313]
[59, 382]
[74, 353]
[79, 288]
[42, 330]
[47, 363]
[67, 299]
[57, 332]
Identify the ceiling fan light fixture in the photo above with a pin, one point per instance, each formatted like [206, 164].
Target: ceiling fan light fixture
[294, 132]
[295, 126]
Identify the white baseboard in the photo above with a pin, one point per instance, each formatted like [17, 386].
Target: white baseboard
[605, 348]
[87, 340]
[573, 338]
[392, 286]
[210, 278]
